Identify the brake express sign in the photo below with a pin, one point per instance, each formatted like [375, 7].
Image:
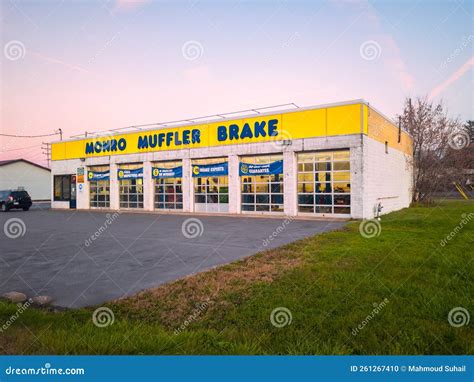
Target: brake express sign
[291, 125]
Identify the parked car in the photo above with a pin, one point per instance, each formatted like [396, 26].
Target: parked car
[10, 199]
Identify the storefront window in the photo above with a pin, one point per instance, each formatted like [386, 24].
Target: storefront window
[324, 185]
[168, 185]
[211, 193]
[62, 188]
[99, 186]
[262, 193]
[130, 178]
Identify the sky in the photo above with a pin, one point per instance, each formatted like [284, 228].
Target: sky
[88, 65]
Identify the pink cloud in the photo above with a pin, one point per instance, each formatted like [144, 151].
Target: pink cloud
[452, 78]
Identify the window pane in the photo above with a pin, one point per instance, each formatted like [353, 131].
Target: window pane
[341, 155]
[323, 210]
[323, 177]
[262, 199]
[323, 199]
[212, 198]
[341, 176]
[200, 198]
[248, 207]
[322, 157]
[276, 188]
[323, 188]
[305, 188]
[248, 198]
[342, 200]
[277, 199]
[262, 188]
[342, 210]
[306, 178]
[305, 199]
[342, 187]
[324, 166]
[338, 166]
[306, 209]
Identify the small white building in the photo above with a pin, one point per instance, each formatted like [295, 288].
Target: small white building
[338, 160]
[23, 174]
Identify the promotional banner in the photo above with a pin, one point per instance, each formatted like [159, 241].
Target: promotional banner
[98, 175]
[217, 169]
[130, 174]
[273, 168]
[160, 172]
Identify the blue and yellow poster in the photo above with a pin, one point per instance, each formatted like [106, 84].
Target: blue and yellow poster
[130, 174]
[160, 172]
[98, 175]
[217, 169]
[246, 169]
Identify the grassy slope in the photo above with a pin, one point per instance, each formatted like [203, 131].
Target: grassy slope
[329, 283]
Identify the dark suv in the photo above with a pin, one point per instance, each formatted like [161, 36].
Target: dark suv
[14, 199]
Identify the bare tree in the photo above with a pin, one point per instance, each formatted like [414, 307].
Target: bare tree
[440, 147]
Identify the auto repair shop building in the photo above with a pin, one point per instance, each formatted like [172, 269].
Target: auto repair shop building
[337, 160]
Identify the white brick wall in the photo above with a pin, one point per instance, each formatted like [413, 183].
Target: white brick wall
[387, 178]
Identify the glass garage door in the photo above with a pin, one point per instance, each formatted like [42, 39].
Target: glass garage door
[99, 186]
[262, 184]
[324, 185]
[130, 179]
[211, 185]
[168, 185]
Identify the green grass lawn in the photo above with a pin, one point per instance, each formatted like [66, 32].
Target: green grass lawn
[403, 283]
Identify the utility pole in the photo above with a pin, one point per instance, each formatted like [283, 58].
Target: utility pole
[46, 147]
[399, 128]
[60, 131]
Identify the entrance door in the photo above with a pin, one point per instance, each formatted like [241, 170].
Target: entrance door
[72, 201]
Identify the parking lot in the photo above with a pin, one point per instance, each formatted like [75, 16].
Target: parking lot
[82, 258]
